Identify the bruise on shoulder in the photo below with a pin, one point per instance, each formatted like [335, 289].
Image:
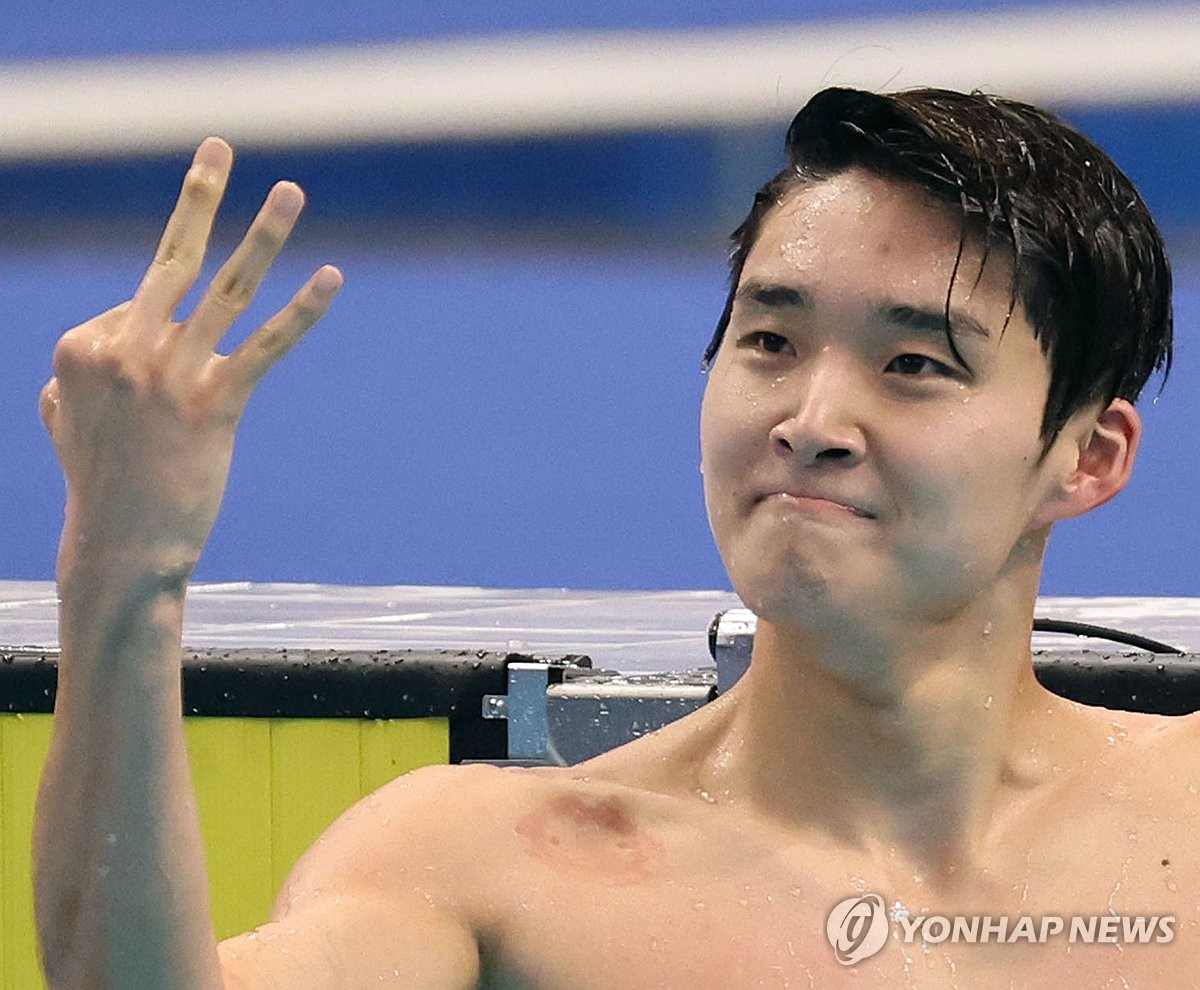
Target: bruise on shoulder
[597, 838]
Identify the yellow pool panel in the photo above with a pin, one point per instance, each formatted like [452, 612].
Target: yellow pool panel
[266, 787]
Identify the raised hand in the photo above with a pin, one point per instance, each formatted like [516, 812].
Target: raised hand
[142, 411]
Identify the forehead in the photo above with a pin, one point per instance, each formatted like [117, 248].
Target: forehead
[857, 232]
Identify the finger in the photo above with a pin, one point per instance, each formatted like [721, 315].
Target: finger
[239, 278]
[181, 251]
[78, 345]
[48, 404]
[278, 335]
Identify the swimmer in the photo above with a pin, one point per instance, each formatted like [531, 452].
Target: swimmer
[940, 316]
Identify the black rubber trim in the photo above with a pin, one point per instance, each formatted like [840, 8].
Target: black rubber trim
[1158, 683]
[302, 683]
[417, 683]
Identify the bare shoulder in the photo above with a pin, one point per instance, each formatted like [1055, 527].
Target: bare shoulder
[1171, 739]
[416, 826]
[1146, 758]
[382, 895]
[434, 831]
[1167, 750]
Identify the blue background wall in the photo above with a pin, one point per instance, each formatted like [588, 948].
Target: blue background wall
[58, 28]
[507, 391]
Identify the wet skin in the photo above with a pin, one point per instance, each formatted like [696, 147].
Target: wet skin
[882, 507]
[890, 735]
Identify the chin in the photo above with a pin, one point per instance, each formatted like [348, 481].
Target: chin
[795, 595]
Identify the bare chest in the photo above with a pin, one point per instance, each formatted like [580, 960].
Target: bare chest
[584, 905]
[588, 939]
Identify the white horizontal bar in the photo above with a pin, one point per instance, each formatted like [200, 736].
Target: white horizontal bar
[508, 86]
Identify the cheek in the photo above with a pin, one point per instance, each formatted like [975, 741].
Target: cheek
[967, 501]
[719, 452]
[727, 426]
[733, 437]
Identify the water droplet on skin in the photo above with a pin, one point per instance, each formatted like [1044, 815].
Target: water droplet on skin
[653, 944]
[988, 704]
[987, 628]
[793, 251]
[705, 796]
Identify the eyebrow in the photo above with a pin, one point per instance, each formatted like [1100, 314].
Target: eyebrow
[932, 322]
[773, 296]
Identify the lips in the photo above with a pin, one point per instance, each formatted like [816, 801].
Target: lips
[817, 499]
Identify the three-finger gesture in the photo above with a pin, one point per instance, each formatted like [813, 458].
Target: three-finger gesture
[142, 410]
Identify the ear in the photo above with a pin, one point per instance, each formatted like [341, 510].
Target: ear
[1096, 461]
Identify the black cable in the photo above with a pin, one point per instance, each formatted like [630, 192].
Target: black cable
[1103, 632]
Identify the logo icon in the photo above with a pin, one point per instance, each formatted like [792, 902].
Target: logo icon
[857, 928]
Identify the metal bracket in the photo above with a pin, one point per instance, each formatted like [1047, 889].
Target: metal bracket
[524, 707]
[560, 715]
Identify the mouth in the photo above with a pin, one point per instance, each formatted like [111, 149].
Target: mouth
[816, 503]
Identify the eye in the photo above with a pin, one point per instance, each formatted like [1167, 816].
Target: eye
[766, 342]
[919, 366]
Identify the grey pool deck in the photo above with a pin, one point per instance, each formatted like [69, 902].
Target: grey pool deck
[628, 631]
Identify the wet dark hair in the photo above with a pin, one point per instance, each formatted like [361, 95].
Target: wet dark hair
[1089, 264]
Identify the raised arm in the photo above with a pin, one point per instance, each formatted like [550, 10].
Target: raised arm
[142, 413]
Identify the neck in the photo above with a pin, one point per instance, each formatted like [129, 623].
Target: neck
[901, 741]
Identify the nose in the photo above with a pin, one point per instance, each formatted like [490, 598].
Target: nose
[823, 424]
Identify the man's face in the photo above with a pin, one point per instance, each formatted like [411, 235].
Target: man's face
[851, 462]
